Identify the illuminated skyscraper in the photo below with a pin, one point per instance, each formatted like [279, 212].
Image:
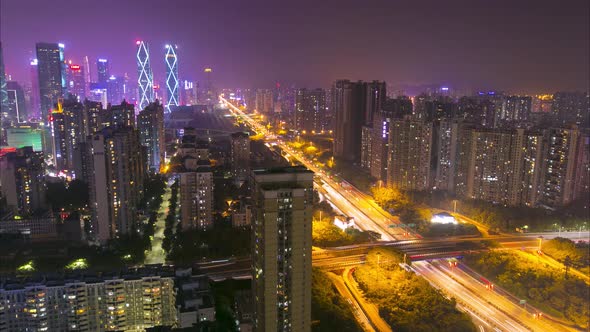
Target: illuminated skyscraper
[76, 83]
[3, 98]
[189, 93]
[35, 102]
[51, 69]
[116, 89]
[172, 88]
[87, 75]
[102, 66]
[145, 80]
[16, 102]
[3, 93]
[208, 89]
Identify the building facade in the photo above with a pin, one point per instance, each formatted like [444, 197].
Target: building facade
[240, 156]
[150, 124]
[410, 152]
[145, 80]
[22, 174]
[121, 303]
[51, 75]
[172, 81]
[310, 110]
[116, 169]
[196, 196]
[281, 253]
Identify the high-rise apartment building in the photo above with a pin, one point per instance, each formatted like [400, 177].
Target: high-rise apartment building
[281, 252]
[434, 108]
[264, 101]
[240, 156]
[512, 167]
[366, 147]
[572, 108]
[375, 94]
[410, 154]
[504, 166]
[145, 80]
[22, 174]
[150, 124]
[349, 119]
[376, 155]
[310, 110]
[94, 116]
[354, 104]
[135, 301]
[51, 75]
[196, 196]
[116, 162]
[68, 130]
[479, 109]
[564, 159]
[122, 115]
[516, 109]
[172, 81]
[447, 156]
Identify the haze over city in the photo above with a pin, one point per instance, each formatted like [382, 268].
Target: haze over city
[303, 166]
[519, 46]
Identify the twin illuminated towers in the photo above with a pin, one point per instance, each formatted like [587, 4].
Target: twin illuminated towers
[145, 78]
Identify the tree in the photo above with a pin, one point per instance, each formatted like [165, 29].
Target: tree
[567, 262]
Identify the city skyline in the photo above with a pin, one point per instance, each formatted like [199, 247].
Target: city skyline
[296, 167]
[527, 47]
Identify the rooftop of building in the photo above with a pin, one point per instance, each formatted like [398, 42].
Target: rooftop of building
[282, 170]
[240, 134]
[83, 276]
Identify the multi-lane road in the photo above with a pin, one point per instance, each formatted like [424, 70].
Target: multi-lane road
[368, 215]
[490, 310]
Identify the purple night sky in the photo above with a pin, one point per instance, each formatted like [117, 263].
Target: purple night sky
[523, 46]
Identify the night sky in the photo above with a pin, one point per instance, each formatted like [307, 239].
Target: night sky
[520, 46]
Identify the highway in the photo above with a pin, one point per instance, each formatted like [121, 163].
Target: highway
[369, 309]
[494, 311]
[368, 215]
[357, 310]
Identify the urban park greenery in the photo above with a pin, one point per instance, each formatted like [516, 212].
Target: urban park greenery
[543, 286]
[407, 302]
[326, 234]
[329, 311]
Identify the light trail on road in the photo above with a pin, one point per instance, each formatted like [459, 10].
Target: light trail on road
[368, 215]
